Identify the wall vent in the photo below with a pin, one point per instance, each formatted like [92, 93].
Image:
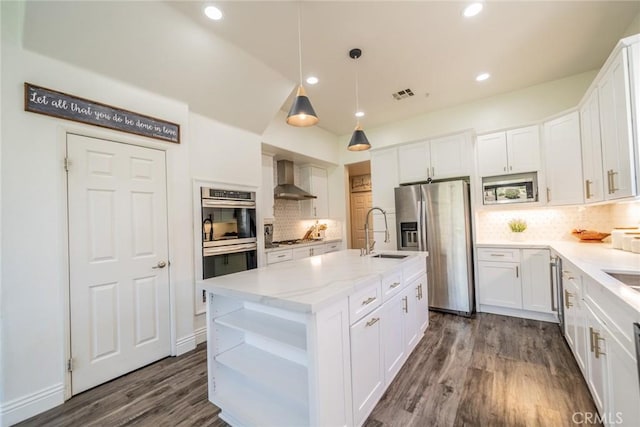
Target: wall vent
[406, 93]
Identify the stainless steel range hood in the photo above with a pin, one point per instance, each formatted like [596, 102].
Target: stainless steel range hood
[285, 188]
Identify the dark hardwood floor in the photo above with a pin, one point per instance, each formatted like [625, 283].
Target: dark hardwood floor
[486, 371]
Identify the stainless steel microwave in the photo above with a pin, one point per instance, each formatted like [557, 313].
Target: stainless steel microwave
[521, 188]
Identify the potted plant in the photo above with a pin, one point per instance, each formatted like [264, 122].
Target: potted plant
[517, 227]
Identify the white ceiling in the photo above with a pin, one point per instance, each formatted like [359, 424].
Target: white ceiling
[428, 46]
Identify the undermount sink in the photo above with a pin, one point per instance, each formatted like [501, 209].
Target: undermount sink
[630, 279]
[393, 256]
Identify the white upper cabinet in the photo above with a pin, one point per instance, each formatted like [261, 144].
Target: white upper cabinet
[384, 178]
[563, 160]
[593, 188]
[414, 162]
[513, 151]
[451, 156]
[616, 129]
[315, 181]
[439, 158]
[267, 203]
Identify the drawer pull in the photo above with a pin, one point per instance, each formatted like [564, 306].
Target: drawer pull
[497, 254]
[394, 285]
[282, 256]
[369, 300]
[372, 322]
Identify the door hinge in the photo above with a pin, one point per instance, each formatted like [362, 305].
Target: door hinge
[70, 365]
[67, 164]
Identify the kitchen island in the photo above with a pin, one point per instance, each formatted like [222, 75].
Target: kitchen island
[315, 341]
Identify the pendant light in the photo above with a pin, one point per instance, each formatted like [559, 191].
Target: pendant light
[301, 113]
[359, 141]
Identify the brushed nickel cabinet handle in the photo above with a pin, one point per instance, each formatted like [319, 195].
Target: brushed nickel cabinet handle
[613, 184]
[497, 254]
[517, 271]
[405, 305]
[591, 346]
[596, 345]
[394, 285]
[368, 300]
[433, 171]
[548, 194]
[610, 181]
[567, 295]
[587, 184]
[373, 321]
[504, 169]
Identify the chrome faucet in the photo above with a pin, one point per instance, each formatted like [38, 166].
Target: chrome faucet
[369, 246]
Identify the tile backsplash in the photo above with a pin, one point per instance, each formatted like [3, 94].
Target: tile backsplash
[556, 223]
[288, 224]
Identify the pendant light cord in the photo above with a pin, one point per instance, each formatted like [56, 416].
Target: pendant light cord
[299, 44]
[357, 100]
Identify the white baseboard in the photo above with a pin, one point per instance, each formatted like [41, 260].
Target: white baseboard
[24, 407]
[185, 344]
[524, 314]
[201, 335]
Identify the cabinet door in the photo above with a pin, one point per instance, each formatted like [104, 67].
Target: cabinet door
[500, 284]
[575, 322]
[304, 252]
[414, 162]
[623, 390]
[393, 337]
[422, 305]
[266, 189]
[563, 160]
[597, 359]
[367, 364]
[616, 130]
[315, 181]
[591, 150]
[492, 154]
[451, 156]
[523, 149]
[410, 322]
[384, 178]
[537, 293]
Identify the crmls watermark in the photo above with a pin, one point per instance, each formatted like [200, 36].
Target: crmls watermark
[594, 418]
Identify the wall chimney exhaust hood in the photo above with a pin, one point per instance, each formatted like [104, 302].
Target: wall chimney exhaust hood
[286, 189]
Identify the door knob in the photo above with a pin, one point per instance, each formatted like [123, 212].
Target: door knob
[161, 264]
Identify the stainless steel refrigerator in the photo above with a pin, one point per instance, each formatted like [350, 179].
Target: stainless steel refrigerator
[436, 217]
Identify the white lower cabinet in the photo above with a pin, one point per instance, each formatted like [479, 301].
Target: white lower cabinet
[598, 329]
[367, 364]
[574, 316]
[270, 366]
[516, 282]
[288, 254]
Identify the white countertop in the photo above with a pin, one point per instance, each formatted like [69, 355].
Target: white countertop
[302, 244]
[593, 259]
[308, 284]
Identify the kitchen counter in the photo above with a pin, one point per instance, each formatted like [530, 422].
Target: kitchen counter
[593, 259]
[309, 284]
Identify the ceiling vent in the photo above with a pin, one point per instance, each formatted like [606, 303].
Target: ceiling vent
[406, 93]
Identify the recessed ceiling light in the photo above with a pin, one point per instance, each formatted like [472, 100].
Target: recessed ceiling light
[312, 80]
[473, 9]
[482, 77]
[360, 114]
[213, 12]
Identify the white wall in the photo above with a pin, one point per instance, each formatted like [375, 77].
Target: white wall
[34, 275]
[311, 141]
[634, 27]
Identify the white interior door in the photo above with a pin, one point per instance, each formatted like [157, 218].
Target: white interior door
[119, 280]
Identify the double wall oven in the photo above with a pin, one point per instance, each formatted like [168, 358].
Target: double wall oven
[229, 243]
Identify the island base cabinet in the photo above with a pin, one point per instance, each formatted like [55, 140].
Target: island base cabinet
[367, 365]
[422, 303]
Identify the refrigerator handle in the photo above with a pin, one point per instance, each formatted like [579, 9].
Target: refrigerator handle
[422, 226]
[419, 222]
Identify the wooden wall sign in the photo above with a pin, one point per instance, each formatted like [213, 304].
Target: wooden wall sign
[57, 104]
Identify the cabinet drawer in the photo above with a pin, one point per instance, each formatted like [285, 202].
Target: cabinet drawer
[332, 247]
[414, 269]
[279, 256]
[364, 301]
[391, 285]
[499, 254]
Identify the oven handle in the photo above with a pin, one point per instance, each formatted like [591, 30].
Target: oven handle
[217, 203]
[221, 250]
